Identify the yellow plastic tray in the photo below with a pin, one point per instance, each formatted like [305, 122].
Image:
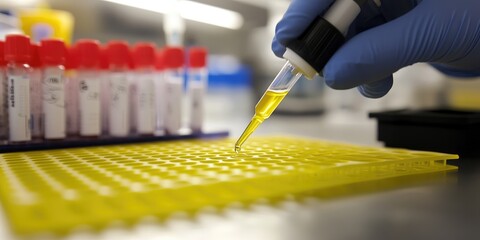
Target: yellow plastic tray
[59, 190]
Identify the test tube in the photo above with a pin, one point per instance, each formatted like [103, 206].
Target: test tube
[36, 93]
[52, 55]
[160, 93]
[89, 87]
[3, 96]
[104, 88]
[72, 96]
[118, 85]
[144, 60]
[17, 55]
[174, 74]
[132, 87]
[197, 85]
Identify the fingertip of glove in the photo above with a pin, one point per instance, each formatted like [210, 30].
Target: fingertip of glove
[337, 78]
[277, 48]
[376, 89]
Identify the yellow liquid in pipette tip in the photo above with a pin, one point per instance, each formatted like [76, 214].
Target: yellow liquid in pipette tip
[264, 108]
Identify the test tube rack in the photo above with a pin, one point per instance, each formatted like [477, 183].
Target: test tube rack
[43, 144]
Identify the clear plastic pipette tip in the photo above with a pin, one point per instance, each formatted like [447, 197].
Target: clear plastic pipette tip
[256, 121]
[283, 82]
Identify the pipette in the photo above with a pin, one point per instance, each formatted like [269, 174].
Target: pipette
[306, 55]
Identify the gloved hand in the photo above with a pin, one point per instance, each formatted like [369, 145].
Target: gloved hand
[399, 33]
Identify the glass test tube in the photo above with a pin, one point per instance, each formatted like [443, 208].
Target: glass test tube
[160, 93]
[118, 85]
[72, 96]
[174, 74]
[104, 89]
[52, 54]
[103, 76]
[17, 55]
[132, 87]
[144, 60]
[3, 96]
[89, 88]
[197, 86]
[36, 93]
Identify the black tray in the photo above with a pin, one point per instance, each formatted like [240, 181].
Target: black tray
[442, 130]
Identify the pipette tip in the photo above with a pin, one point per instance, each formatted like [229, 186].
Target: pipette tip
[238, 148]
[248, 131]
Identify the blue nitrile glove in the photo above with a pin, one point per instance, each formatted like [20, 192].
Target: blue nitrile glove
[445, 33]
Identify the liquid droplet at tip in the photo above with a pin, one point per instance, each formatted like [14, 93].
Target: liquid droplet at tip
[237, 149]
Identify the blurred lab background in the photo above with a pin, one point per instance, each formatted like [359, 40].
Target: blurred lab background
[241, 65]
[238, 34]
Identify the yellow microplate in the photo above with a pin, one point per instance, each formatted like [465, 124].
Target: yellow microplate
[61, 190]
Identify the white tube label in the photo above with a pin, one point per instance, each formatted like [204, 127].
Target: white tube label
[105, 99]
[118, 105]
[196, 93]
[36, 118]
[161, 101]
[133, 102]
[72, 105]
[90, 119]
[3, 105]
[173, 117]
[54, 113]
[19, 108]
[145, 105]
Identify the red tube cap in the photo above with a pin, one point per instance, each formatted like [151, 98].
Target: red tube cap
[144, 54]
[197, 57]
[71, 58]
[117, 53]
[88, 52]
[131, 64]
[53, 52]
[160, 60]
[103, 61]
[174, 57]
[17, 48]
[35, 56]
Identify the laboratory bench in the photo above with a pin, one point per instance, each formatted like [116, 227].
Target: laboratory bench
[448, 209]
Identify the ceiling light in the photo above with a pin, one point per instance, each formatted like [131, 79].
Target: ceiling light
[190, 10]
